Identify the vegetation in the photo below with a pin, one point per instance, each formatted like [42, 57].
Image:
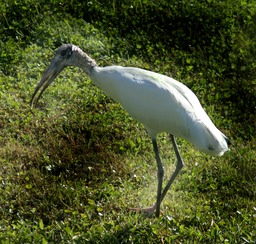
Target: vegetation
[71, 168]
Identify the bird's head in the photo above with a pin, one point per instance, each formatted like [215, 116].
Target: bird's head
[66, 55]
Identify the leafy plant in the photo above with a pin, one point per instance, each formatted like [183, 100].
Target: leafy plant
[70, 168]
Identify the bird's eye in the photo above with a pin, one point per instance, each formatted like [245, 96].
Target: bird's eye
[66, 52]
[63, 52]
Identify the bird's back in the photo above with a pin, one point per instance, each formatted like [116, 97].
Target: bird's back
[162, 104]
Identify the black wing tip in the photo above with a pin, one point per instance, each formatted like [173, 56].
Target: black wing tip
[227, 140]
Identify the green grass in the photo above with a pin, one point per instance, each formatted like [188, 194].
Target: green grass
[71, 168]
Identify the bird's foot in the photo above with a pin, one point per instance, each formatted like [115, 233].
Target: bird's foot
[147, 211]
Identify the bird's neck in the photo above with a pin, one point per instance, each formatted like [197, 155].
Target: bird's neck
[84, 62]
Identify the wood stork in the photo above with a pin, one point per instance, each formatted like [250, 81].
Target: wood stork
[159, 102]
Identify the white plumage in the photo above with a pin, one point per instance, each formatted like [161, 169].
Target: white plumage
[159, 102]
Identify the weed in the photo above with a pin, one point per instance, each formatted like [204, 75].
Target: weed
[70, 168]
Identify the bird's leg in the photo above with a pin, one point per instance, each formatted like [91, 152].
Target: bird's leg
[160, 174]
[179, 166]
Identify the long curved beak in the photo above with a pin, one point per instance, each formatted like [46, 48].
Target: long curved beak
[49, 75]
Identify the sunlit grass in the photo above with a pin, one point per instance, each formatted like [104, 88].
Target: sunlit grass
[71, 167]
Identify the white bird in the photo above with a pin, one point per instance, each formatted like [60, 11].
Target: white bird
[159, 102]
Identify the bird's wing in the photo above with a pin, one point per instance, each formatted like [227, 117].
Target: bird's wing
[159, 102]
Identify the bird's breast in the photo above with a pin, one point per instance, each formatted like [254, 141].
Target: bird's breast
[150, 98]
[161, 104]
